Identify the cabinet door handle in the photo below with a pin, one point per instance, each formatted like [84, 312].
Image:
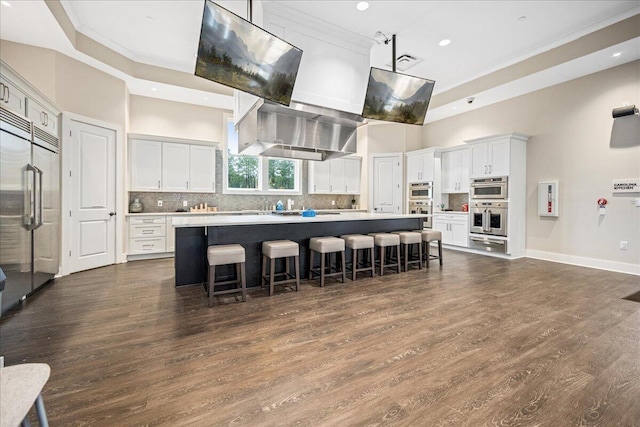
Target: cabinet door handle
[158, 184]
[485, 169]
[345, 189]
[6, 98]
[314, 187]
[331, 188]
[1, 91]
[213, 185]
[187, 185]
[490, 168]
[46, 119]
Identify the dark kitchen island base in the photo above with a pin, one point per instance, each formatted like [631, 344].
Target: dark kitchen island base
[192, 242]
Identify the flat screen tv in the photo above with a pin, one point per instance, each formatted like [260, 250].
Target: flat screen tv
[396, 97]
[236, 53]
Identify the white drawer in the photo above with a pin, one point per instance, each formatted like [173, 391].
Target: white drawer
[147, 245]
[147, 230]
[136, 220]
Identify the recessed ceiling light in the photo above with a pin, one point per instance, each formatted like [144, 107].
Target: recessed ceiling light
[154, 89]
[362, 6]
[205, 98]
[615, 55]
[5, 3]
[444, 42]
[149, 18]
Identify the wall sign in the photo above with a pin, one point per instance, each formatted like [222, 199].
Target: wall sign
[626, 185]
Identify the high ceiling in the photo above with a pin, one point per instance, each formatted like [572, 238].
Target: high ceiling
[485, 35]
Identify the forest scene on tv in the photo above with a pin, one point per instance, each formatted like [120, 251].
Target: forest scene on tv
[396, 97]
[236, 53]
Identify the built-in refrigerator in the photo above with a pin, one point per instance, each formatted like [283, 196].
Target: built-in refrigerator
[29, 207]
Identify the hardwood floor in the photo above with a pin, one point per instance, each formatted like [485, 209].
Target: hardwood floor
[480, 342]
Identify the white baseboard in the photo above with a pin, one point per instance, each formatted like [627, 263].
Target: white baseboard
[619, 267]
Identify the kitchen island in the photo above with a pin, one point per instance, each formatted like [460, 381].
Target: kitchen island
[195, 234]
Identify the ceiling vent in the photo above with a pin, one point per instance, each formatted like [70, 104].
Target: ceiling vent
[405, 61]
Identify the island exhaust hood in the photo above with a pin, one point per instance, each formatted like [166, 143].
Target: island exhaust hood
[300, 131]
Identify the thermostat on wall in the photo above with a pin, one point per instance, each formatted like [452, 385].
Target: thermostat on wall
[548, 198]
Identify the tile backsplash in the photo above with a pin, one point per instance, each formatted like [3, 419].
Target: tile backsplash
[232, 202]
[456, 201]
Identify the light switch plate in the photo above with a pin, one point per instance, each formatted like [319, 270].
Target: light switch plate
[185, 203]
[159, 203]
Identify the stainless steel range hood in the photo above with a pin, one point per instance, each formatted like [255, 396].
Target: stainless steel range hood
[300, 131]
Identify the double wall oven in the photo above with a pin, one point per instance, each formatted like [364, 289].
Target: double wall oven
[421, 200]
[488, 214]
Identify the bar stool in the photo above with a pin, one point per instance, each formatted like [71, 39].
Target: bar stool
[223, 255]
[359, 242]
[429, 236]
[21, 388]
[280, 249]
[384, 241]
[407, 240]
[325, 246]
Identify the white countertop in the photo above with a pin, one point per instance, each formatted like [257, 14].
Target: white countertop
[243, 212]
[221, 220]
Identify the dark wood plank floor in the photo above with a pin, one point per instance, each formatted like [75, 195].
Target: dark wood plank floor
[480, 342]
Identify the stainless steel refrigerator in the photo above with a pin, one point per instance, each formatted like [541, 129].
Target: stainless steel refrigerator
[29, 207]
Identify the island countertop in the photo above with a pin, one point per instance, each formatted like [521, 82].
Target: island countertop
[229, 220]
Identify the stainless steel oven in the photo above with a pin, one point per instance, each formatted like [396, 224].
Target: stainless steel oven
[422, 207]
[488, 218]
[489, 188]
[421, 191]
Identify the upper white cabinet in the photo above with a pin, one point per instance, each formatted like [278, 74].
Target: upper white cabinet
[146, 165]
[175, 167]
[42, 117]
[338, 176]
[420, 166]
[490, 159]
[202, 168]
[11, 97]
[171, 166]
[455, 171]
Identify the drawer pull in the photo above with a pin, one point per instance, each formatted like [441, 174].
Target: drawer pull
[148, 231]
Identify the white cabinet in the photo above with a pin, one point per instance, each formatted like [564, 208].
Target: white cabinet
[455, 171]
[420, 167]
[146, 165]
[147, 235]
[42, 117]
[454, 229]
[175, 167]
[171, 166]
[352, 176]
[202, 168]
[338, 176]
[11, 97]
[490, 159]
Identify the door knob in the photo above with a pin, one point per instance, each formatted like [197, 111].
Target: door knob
[112, 213]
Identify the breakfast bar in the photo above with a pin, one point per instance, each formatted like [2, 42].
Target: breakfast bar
[195, 234]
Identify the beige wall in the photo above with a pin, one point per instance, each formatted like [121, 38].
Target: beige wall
[570, 125]
[174, 119]
[34, 64]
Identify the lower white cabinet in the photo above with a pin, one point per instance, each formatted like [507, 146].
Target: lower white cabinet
[147, 234]
[454, 229]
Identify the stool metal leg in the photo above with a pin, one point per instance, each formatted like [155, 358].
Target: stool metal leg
[440, 251]
[263, 276]
[272, 271]
[25, 422]
[323, 258]
[297, 265]
[428, 251]
[372, 255]
[406, 257]
[344, 267]
[398, 258]
[420, 255]
[42, 414]
[310, 264]
[354, 255]
[212, 278]
[243, 281]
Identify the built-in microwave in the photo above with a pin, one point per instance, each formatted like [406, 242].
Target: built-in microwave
[489, 188]
[421, 191]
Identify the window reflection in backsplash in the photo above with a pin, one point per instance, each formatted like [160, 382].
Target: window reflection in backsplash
[171, 202]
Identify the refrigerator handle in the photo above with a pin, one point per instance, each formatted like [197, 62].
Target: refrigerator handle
[30, 217]
[40, 207]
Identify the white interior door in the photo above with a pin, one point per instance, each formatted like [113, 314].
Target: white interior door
[93, 196]
[386, 179]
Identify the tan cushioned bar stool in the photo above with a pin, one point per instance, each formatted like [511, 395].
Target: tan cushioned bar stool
[325, 246]
[429, 236]
[384, 241]
[407, 240]
[359, 242]
[223, 255]
[273, 250]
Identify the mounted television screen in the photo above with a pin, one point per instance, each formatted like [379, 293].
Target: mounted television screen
[396, 97]
[236, 53]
